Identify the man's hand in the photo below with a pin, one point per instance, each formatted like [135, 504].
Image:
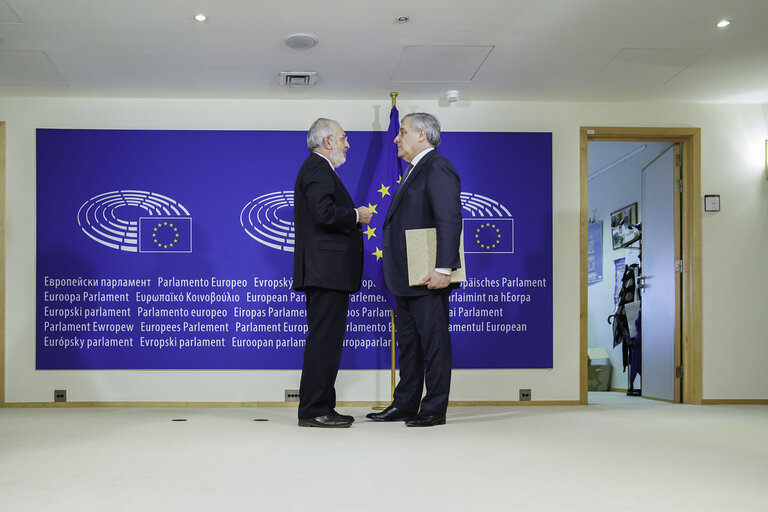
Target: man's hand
[364, 214]
[435, 280]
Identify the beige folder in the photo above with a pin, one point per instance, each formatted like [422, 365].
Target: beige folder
[421, 250]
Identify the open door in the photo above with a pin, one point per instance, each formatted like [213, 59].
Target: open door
[660, 280]
[687, 364]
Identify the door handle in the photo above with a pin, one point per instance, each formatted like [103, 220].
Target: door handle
[641, 282]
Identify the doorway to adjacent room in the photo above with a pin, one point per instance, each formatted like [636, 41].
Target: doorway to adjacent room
[669, 280]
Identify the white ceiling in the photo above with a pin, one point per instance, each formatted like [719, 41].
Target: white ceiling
[522, 50]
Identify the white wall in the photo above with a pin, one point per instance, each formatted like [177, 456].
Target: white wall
[734, 240]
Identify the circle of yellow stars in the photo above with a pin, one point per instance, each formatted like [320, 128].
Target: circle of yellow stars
[488, 245]
[165, 245]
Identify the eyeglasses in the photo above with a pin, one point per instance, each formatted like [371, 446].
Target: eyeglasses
[342, 138]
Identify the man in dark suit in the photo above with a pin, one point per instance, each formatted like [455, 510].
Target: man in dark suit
[428, 197]
[327, 267]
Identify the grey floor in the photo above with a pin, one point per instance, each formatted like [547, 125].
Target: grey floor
[617, 454]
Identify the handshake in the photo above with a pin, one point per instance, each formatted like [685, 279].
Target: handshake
[365, 214]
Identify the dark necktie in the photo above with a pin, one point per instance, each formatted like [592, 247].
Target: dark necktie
[407, 172]
[402, 180]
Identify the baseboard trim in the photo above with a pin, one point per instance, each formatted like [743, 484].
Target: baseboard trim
[202, 405]
[502, 403]
[735, 401]
[159, 405]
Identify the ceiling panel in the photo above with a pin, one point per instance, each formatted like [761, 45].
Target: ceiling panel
[7, 14]
[28, 68]
[648, 65]
[440, 63]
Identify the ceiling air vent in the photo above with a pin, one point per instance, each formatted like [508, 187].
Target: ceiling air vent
[298, 78]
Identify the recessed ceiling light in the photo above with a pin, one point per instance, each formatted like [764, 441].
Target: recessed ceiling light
[201, 17]
[723, 23]
[301, 41]
[402, 19]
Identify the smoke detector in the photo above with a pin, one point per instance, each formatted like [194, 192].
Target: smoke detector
[452, 96]
[298, 78]
[301, 41]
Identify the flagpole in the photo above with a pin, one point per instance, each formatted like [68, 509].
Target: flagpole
[393, 95]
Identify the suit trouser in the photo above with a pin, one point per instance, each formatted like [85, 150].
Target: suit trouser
[326, 322]
[425, 353]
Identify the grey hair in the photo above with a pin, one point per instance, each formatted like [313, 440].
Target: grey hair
[318, 132]
[428, 123]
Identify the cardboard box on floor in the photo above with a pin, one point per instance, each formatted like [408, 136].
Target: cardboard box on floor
[598, 375]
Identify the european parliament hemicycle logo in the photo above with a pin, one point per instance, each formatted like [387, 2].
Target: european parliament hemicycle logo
[137, 221]
[489, 228]
[268, 219]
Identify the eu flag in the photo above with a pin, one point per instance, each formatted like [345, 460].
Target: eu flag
[165, 234]
[489, 235]
[381, 188]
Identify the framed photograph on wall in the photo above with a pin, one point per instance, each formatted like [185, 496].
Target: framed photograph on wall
[622, 232]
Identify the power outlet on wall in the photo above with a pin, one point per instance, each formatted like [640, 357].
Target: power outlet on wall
[291, 395]
[59, 395]
[525, 395]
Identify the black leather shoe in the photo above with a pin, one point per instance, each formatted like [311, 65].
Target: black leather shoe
[327, 421]
[350, 419]
[426, 419]
[391, 413]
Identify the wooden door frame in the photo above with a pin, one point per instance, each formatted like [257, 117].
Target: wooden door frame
[691, 320]
[2, 263]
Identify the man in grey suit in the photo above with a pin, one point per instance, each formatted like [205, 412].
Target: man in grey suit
[327, 267]
[428, 197]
